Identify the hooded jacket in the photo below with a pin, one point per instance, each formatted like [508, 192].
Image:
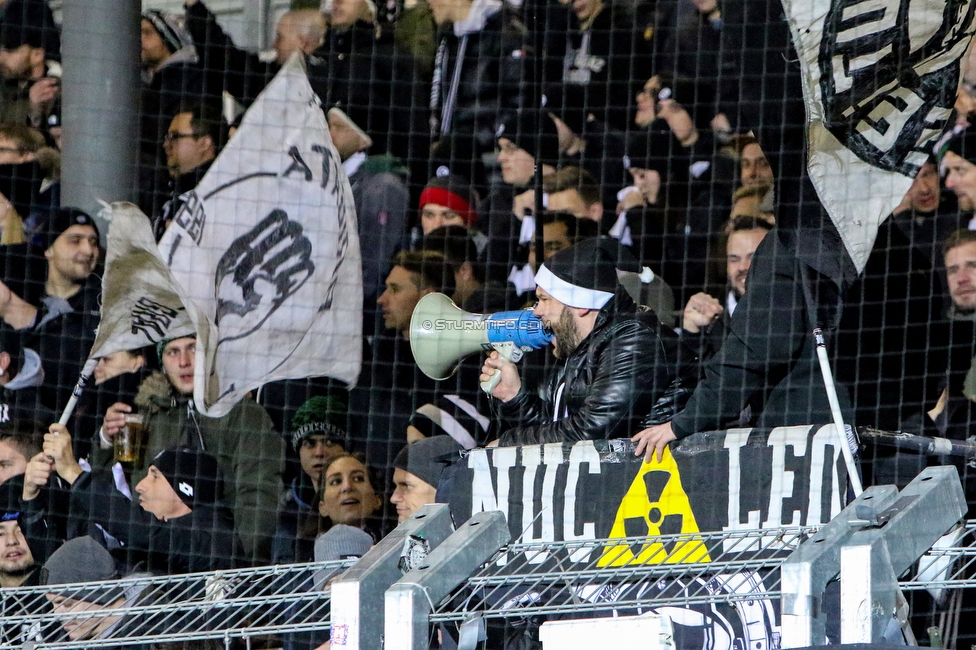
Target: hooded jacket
[250, 453]
[603, 65]
[606, 388]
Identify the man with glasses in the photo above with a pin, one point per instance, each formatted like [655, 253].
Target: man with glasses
[191, 143]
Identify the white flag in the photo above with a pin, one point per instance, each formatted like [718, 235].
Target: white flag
[266, 247]
[879, 82]
[141, 302]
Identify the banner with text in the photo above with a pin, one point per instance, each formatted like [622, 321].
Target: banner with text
[879, 84]
[726, 481]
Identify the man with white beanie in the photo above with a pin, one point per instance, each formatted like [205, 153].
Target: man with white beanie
[617, 361]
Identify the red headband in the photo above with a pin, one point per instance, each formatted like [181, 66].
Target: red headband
[451, 201]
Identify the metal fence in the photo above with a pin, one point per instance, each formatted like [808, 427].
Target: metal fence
[514, 585]
[238, 604]
[270, 604]
[249, 604]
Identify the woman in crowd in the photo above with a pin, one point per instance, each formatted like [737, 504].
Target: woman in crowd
[347, 496]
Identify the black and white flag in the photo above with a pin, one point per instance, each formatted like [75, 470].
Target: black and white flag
[142, 304]
[879, 83]
[266, 247]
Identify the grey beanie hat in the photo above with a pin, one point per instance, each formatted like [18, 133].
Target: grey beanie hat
[171, 28]
[338, 543]
[427, 458]
[341, 542]
[82, 559]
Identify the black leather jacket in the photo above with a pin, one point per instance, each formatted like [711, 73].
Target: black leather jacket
[617, 378]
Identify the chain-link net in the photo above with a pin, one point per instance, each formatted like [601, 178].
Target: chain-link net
[657, 201]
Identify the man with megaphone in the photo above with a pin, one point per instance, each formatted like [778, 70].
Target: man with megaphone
[618, 363]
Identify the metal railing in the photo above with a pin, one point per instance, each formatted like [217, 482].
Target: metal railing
[959, 557]
[514, 584]
[292, 599]
[234, 604]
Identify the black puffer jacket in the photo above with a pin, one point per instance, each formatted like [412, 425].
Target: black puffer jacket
[615, 378]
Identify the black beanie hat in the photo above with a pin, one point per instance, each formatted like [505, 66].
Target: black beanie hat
[319, 415]
[583, 276]
[697, 99]
[569, 105]
[427, 458]
[454, 416]
[60, 219]
[456, 155]
[532, 131]
[193, 474]
[963, 144]
[30, 22]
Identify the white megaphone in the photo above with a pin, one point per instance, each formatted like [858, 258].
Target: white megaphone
[442, 334]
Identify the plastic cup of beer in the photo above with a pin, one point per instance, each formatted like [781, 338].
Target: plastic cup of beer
[128, 441]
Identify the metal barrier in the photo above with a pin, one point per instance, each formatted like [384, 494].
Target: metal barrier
[240, 604]
[733, 576]
[358, 615]
[510, 585]
[191, 613]
[875, 539]
[409, 601]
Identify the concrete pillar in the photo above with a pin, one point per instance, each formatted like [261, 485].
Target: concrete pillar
[257, 30]
[100, 104]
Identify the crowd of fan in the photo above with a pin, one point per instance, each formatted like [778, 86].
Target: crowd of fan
[446, 115]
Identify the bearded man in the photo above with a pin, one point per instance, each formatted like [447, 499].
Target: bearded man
[616, 362]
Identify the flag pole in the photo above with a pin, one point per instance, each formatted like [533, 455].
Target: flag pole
[831, 388]
[86, 373]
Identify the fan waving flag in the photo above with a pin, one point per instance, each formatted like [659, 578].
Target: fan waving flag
[142, 304]
[879, 83]
[266, 247]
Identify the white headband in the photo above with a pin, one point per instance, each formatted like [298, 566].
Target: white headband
[570, 294]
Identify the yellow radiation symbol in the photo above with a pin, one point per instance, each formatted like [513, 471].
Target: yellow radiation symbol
[655, 504]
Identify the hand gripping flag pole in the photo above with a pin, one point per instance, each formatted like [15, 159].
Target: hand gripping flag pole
[86, 373]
